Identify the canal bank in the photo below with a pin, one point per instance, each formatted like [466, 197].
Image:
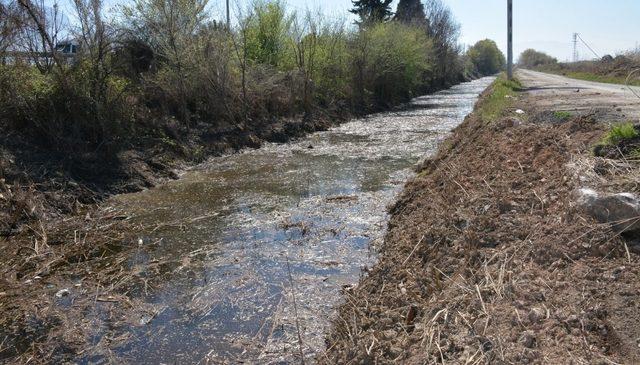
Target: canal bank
[206, 268]
[489, 258]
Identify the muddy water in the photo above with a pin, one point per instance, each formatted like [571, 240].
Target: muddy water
[252, 249]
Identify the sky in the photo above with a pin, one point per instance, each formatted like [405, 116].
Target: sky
[608, 26]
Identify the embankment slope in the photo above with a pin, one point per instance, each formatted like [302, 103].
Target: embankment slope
[488, 260]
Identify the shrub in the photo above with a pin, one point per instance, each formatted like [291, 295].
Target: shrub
[390, 62]
[267, 32]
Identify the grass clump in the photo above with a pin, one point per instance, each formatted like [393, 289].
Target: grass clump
[621, 141]
[620, 132]
[562, 115]
[502, 96]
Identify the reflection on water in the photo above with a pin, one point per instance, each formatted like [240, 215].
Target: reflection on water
[235, 240]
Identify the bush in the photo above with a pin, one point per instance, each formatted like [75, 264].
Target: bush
[267, 34]
[63, 114]
[332, 78]
[390, 63]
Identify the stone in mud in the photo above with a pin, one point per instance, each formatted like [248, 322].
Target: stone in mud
[621, 210]
[528, 339]
[389, 334]
[395, 351]
[536, 315]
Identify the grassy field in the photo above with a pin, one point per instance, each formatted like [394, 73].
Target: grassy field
[587, 76]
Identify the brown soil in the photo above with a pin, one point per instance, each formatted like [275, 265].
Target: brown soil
[487, 260]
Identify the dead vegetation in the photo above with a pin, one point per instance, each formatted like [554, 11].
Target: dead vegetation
[55, 272]
[487, 260]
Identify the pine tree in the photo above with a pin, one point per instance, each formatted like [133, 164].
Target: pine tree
[411, 12]
[372, 11]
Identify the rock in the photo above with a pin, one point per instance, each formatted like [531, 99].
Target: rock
[395, 351]
[528, 339]
[62, 293]
[389, 334]
[536, 315]
[573, 321]
[620, 210]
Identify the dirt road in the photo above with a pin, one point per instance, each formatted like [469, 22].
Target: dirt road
[557, 93]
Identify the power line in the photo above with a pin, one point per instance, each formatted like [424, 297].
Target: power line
[576, 37]
[585, 43]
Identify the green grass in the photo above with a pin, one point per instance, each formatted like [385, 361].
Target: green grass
[620, 132]
[562, 115]
[503, 94]
[587, 76]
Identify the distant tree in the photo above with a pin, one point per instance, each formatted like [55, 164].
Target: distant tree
[411, 12]
[486, 58]
[372, 11]
[532, 58]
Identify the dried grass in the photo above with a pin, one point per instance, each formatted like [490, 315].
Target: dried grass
[507, 270]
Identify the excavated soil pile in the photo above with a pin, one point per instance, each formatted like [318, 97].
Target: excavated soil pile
[487, 260]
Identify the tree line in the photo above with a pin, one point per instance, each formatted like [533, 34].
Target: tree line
[170, 62]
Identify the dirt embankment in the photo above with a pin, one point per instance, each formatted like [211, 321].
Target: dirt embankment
[488, 259]
[39, 183]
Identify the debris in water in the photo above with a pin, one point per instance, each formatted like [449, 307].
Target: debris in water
[342, 198]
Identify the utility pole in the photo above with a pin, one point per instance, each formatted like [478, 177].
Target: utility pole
[228, 17]
[575, 47]
[510, 39]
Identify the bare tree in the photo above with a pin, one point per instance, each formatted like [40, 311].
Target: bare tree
[444, 31]
[95, 39]
[304, 34]
[170, 28]
[240, 40]
[10, 24]
[42, 28]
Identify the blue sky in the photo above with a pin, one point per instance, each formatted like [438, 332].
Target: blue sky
[608, 26]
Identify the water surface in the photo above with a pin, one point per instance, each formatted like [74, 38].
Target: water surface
[235, 240]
